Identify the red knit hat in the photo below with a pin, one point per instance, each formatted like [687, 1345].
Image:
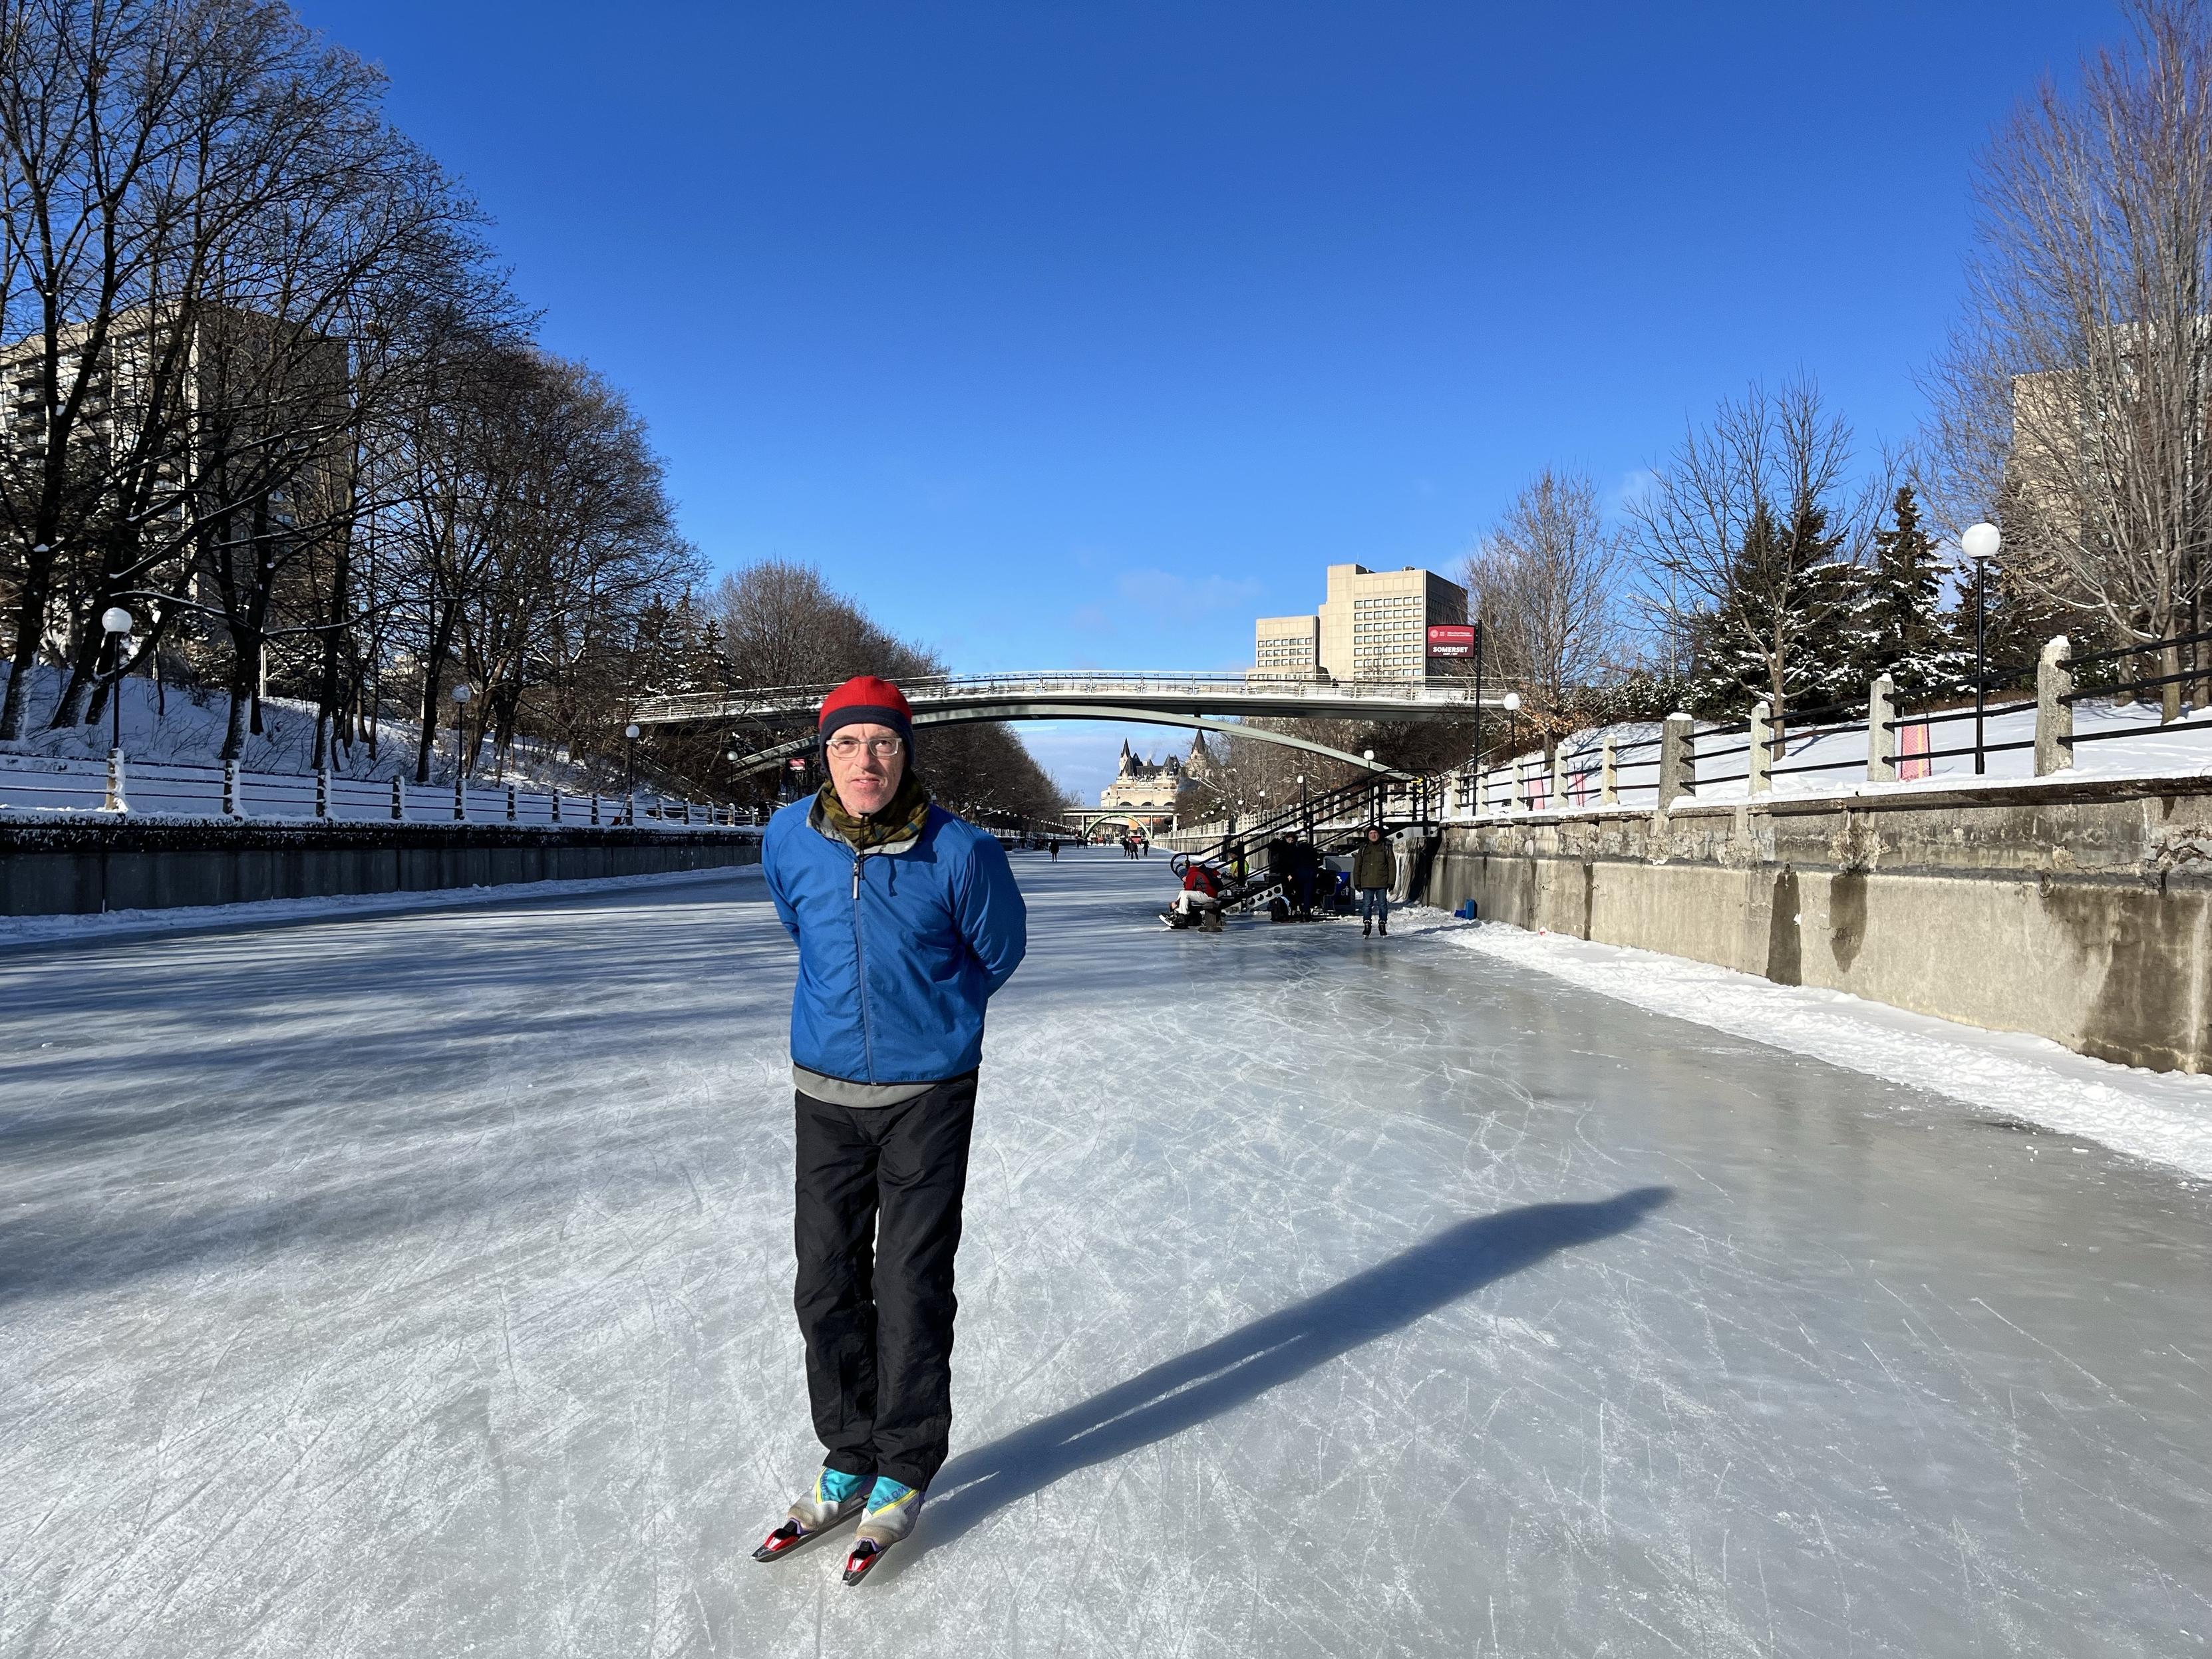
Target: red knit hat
[864, 700]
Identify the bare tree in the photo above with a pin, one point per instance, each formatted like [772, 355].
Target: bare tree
[2075, 402]
[207, 221]
[591, 543]
[531, 528]
[1546, 583]
[782, 625]
[1744, 532]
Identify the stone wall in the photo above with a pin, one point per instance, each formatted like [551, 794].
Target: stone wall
[2078, 910]
[85, 865]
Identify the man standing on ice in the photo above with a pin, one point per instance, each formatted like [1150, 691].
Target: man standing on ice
[906, 919]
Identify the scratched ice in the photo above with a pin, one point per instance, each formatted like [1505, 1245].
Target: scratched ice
[418, 1286]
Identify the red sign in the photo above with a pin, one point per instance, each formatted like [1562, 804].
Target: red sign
[797, 765]
[1451, 640]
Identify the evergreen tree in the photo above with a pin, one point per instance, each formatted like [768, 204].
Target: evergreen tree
[1896, 626]
[2018, 621]
[1786, 589]
[654, 657]
[711, 659]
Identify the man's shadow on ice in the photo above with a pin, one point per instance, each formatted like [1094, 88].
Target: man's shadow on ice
[1181, 1393]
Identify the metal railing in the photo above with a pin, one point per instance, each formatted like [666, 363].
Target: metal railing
[1656, 771]
[1806, 727]
[2135, 687]
[1332, 814]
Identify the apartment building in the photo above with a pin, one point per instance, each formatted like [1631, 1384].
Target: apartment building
[1372, 625]
[233, 414]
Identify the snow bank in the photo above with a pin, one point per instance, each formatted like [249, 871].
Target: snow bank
[185, 726]
[2163, 1117]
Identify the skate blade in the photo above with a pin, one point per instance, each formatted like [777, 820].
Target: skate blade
[787, 1539]
[862, 1561]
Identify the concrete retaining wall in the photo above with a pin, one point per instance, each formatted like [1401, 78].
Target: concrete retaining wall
[2079, 911]
[86, 865]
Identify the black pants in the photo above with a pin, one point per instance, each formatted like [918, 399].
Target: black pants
[878, 1223]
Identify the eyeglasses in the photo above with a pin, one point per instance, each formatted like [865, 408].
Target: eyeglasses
[881, 748]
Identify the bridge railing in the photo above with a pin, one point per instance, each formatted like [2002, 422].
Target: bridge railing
[771, 701]
[1419, 799]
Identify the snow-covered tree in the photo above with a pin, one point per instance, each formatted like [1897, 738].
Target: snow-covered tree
[1776, 633]
[1748, 532]
[1895, 625]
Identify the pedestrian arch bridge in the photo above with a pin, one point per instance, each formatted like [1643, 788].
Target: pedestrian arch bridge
[1204, 702]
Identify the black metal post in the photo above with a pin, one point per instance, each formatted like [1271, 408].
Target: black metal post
[1981, 666]
[1476, 762]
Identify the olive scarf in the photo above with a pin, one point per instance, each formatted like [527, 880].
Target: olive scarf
[899, 819]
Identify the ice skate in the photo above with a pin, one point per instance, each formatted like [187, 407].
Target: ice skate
[833, 1496]
[892, 1510]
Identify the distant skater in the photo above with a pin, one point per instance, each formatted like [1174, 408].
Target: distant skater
[1053, 847]
[1373, 867]
[907, 920]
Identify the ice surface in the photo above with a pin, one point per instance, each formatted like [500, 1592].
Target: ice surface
[2164, 1117]
[419, 1284]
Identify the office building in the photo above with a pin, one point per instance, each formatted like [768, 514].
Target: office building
[1372, 625]
[1287, 648]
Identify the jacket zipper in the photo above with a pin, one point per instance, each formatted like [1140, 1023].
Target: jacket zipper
[860, 961]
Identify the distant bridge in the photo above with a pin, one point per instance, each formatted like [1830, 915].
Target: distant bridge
[1193, 701]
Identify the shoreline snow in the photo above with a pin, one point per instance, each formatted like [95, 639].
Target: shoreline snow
[2162, 1117]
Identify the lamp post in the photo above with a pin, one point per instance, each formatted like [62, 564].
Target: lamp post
[1478, 710]
[460, 733]
[629, 772]
[117, 622]
[1512, 742]
[1980, 544]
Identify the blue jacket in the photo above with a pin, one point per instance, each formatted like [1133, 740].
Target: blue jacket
[899, 947]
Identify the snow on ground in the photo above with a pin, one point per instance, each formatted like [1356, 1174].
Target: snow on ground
[420, 1283]
[2166, 1117]
[187, 727]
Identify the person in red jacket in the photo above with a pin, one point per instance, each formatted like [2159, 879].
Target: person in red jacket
[1201, 894]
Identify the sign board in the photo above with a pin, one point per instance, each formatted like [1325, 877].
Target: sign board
[1451, 640]
[797, 763]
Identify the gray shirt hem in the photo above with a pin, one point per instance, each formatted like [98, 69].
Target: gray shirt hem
[840, 1091]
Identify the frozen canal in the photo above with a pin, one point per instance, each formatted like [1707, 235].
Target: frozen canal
[419, 1286]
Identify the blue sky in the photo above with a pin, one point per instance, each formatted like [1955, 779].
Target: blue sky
[1075, 334]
